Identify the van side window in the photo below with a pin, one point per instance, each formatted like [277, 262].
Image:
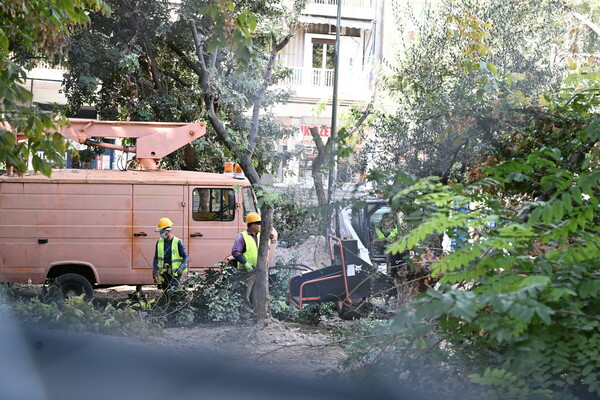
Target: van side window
[213, 204]
[249, 204]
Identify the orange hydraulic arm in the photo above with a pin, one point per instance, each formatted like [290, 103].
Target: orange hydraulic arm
[155, 140]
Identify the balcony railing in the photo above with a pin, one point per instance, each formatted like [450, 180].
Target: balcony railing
[318, 83]
[309, 77]
[349, 3]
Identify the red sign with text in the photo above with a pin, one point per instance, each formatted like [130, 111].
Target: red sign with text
[324, 131]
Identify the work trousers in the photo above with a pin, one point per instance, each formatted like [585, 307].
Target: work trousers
[169, 281]
[247, 281]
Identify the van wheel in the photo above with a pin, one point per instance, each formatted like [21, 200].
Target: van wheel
[72, 285]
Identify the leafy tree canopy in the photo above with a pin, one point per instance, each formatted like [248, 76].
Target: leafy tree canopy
[515, 314]
[32, 27]
[140, 64]
[464, 78]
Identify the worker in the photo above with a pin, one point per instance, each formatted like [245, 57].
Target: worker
[386, 232]
[387, 227]
[170, 258]
[245, 252]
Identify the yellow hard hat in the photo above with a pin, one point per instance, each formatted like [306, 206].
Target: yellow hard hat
[252, 217]
[164, 223]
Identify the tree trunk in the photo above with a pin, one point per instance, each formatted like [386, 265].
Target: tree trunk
[322, 152]
[244, 155]
[262, 309]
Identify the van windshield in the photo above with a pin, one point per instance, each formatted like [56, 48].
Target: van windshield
[249, 200]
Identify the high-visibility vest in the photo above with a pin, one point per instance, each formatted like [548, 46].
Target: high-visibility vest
[381, 235]
[176, 259]
[251, 253]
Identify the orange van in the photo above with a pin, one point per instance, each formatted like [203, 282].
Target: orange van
[95, 228]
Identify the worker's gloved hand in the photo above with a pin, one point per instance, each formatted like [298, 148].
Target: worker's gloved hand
[249, 267]
[180, 270]
[157, 279]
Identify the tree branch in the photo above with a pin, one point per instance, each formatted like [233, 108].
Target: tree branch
[193, 66]
[261, 92]
[203, 73]
[322, 151]
[362, 118]
[586, 21]
[141, 26]
[175, 78]
[577, 314]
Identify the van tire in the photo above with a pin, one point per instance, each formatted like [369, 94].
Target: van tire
[72, 285]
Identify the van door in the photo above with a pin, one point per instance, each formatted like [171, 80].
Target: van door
[214, 222]
[150, 203]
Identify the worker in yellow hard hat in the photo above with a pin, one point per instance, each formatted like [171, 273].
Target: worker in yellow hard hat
[170, 258]
[245, 252]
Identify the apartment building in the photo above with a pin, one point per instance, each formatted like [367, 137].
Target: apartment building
[310, 55]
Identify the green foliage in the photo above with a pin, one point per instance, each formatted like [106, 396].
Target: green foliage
[506, 386]
[237, 27]
[33, 27]
[293, 220]
[215, 294]
[519, 292]
[135, 65]
[311, 314]
[462, 80]
[280, 309]
[77, 315]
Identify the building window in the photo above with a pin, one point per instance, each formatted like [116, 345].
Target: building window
[323, 53]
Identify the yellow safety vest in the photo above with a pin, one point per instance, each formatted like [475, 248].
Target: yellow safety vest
[381, 235]
[251, 253]
[176, 259]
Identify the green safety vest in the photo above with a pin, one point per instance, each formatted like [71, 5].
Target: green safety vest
[176, 259]
[251, 253]
[381, 235]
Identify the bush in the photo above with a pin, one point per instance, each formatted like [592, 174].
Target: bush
[215, 294]
[77, 315]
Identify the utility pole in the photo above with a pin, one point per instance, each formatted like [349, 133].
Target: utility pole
[336, 67]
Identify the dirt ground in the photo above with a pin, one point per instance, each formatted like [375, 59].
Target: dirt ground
[280, 346]
[291, 348]
[284, 347]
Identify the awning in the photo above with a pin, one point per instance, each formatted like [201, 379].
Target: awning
[344, 22]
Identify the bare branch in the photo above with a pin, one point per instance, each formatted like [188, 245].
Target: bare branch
[587, 22]
[261, 92]
[577, 314]
[362, 118]
[175, 78]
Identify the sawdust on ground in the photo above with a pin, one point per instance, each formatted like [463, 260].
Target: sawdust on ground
[313, 252]
[283, 347]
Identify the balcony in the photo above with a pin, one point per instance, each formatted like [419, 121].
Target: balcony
[361, 10]
[348, 3]
[309, 77]
[314, 83]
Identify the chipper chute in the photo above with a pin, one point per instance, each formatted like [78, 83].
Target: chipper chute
[349, 281]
